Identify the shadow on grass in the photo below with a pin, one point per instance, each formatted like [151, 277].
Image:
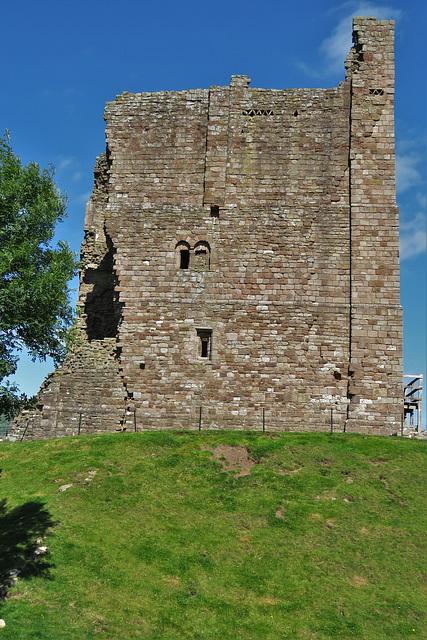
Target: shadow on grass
[20, 528]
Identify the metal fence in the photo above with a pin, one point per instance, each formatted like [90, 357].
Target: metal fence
[74, 421]
[4, 428]
[84, 421]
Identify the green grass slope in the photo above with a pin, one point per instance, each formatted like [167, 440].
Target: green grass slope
[157, 539]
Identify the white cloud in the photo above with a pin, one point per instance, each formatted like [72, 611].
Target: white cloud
[308, 69]
[84, 197]
[335, 48]
[70, 167]
[413, 237]
[406, 145]
[65, 162]
[407, 175]
[422, 200]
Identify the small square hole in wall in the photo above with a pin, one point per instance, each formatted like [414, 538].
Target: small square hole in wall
[214, 211]
[205, 343]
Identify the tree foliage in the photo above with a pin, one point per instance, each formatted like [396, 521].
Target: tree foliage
[35, 312]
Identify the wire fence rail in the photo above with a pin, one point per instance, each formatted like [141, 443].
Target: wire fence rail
[84, 421]
[4, 429]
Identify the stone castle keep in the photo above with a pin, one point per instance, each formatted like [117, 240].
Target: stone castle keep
[241, 254]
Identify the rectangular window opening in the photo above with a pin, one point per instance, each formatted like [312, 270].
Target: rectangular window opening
[184, 259]
[214, 211]
[205, 345]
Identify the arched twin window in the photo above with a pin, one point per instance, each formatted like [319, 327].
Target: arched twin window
[182, 252]
[197, 258]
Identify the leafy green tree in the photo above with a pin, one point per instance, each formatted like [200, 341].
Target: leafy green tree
[35, 313]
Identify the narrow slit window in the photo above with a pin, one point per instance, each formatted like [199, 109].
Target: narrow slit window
[205, 346]
[184, 259]
[205, 343]
[182, 255]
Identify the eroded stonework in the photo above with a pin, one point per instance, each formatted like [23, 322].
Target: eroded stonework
[241, 255]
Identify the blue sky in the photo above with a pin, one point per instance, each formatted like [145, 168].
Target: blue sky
[62, 61]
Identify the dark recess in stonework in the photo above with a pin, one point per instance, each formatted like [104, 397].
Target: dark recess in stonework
[102, 308]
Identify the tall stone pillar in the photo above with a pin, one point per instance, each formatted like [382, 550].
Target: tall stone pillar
[375, 370]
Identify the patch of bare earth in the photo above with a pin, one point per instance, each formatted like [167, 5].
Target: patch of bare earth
[358, 581]
[233, 459]
[387, 486]
[263, 600]
[280, 513]
[375, 463]
[289, 473]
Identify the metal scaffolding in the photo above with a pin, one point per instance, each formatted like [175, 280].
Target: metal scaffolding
[412, 397]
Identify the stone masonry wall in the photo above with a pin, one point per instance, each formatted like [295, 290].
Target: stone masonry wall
[376, 321]
[241, 255]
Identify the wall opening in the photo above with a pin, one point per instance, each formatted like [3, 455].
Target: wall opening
[184, 261]
[202, 256]
[205, 343]
[102, 306]
[214, 211]
[182, 255]
[257, 112]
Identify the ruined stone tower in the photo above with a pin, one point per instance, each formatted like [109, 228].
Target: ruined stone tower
[241, 255]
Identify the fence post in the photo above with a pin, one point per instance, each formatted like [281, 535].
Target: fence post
[80, 423]
[401, 426]
[25, 430]
[332, 420]
[134, 419]
[200, 419]
[263, 419]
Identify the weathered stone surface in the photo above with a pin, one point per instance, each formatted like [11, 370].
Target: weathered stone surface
[65, 487]
[241, 254]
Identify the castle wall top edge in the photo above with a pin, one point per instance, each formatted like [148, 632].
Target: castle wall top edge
[241, 81]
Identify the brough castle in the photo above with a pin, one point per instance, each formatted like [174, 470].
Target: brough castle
[240, 259]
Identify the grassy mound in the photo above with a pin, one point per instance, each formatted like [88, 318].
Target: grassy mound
[213, 536]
